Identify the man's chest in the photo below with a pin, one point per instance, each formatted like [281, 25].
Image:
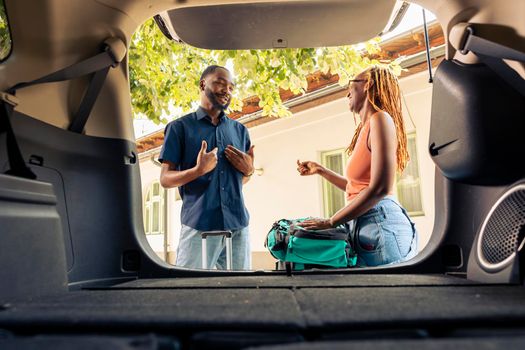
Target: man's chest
[219, 136]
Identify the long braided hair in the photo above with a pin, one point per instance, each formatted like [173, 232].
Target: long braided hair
[385, 95]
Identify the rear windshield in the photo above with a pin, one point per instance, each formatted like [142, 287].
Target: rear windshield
[307, 118]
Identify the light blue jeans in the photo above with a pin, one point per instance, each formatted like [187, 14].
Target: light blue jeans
[189, 251]
[384, 235]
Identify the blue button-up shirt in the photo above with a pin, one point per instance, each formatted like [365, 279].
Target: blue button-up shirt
[213, 201]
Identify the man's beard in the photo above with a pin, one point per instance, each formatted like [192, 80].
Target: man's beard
[213, 99]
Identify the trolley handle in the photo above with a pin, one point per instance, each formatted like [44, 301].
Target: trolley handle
[228, 237]
[205, 234]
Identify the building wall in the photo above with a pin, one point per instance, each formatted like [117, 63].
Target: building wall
[418, 96]
[150, 173]
[279, 192]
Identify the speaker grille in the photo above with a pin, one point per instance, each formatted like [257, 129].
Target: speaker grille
[503, 227]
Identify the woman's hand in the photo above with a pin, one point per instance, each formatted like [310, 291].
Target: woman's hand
[316, 224]
[308, 168]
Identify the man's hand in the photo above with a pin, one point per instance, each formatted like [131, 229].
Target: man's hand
[308, 168]
[206, 161]
[316, 224]
[241, 161]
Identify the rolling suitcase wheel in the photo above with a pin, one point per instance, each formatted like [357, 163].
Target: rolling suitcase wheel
[228, 237]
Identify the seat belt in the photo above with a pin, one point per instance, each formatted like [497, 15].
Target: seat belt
[492, 54]
[114, 52]
[17, 166]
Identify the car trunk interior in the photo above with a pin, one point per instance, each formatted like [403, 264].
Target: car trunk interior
[77, 268]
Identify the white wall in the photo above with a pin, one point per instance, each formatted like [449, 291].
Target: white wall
[418, 96]
[280, 192]
[149, 173]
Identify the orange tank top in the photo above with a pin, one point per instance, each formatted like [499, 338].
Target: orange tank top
[359, 165]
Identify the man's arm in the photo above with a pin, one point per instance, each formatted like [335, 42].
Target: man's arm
[171, 177]
[245, 178]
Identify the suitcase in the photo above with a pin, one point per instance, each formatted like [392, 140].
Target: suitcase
[298, 248]
[228, 237]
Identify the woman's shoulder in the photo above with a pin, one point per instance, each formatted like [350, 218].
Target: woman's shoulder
[381, 119]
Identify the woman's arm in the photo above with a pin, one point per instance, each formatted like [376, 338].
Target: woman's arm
[310, 168]
[334, 178]
[383, 143]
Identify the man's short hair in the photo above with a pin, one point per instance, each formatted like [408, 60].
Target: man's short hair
[210, 70]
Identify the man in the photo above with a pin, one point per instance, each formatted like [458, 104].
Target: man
[209, 157]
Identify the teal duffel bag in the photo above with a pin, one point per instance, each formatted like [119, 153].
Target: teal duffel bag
[289, 242]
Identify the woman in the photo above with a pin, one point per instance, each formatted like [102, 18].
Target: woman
[380, 229]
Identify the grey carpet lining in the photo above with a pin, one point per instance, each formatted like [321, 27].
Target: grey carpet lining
[405, 305]
[272, 309]
[159, 309]
[426, 344]
[296, 281]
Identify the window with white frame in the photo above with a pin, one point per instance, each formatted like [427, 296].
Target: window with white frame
[333, 197]
[154, 210]
[408, 185]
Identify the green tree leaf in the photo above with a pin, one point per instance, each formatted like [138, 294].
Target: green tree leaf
[164, 75]
[5, 36]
